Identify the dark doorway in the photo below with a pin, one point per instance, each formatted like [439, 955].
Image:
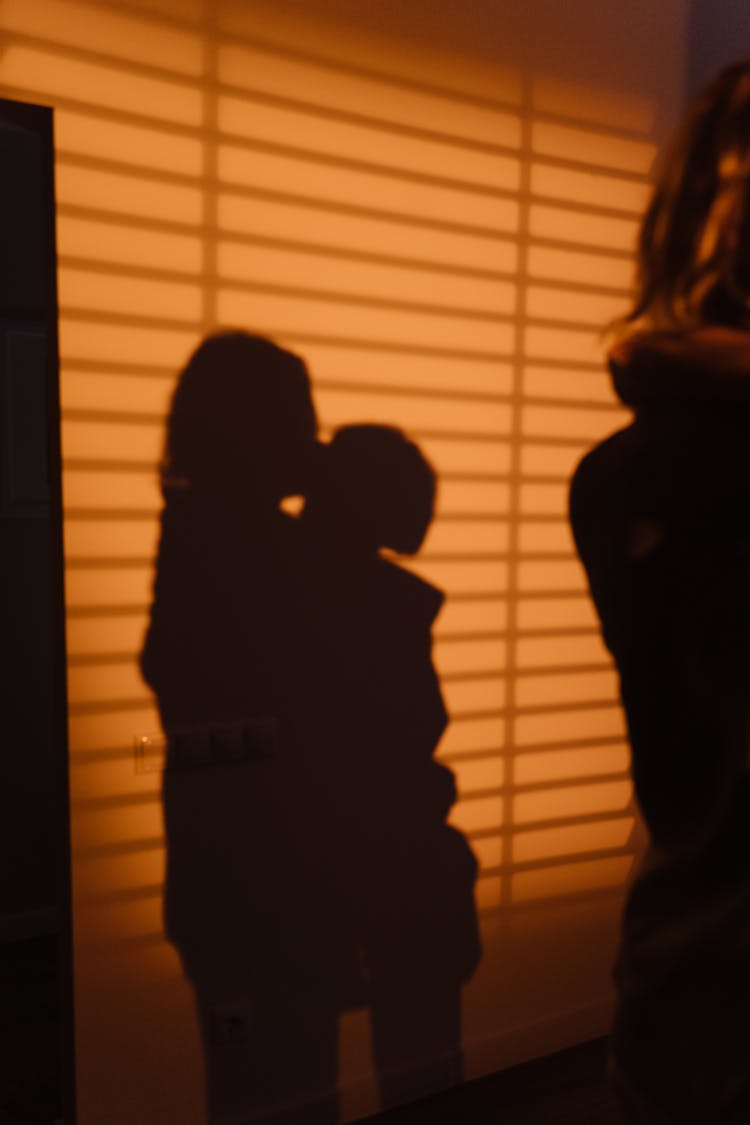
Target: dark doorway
[36, 1013]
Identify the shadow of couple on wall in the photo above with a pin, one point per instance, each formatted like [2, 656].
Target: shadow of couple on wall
[310, 868]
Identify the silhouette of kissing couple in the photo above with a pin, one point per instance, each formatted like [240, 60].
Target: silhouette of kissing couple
[310, 868]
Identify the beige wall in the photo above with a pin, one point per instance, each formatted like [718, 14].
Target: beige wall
[638, 48]
[510, 146]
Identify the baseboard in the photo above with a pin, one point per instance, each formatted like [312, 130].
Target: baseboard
[486, 1055]
[511, 1047]
[524, 1042]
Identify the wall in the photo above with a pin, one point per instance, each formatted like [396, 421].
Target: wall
[718, 34]
[435, 205]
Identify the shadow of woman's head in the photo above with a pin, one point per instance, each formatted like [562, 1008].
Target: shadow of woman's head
[242, 422]
[372, 488]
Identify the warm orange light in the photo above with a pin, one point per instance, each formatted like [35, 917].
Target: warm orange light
[57, 76]
[298, 221]
[561, 765]
[597, 148]
[443, 242]
[572, 878]
[577, 725]
[549, 843]
[582, 228]
[260, 265]
[95, 241]
[588, 188]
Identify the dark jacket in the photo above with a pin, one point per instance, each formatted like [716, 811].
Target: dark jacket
[660, 513]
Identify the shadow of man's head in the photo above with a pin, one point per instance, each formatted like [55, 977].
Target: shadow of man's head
[373, 488]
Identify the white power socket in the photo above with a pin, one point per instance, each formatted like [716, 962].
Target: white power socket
[198, 746]
[150, 752]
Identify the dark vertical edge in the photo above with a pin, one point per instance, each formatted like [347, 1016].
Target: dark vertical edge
[60, 712]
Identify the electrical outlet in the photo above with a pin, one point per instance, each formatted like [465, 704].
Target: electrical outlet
[150, 752]
[200, 746]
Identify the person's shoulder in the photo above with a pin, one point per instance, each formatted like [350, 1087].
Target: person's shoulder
[680, 369]
[412, 594]
[603, 463]
[610, 478]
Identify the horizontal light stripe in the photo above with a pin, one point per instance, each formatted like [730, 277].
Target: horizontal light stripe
[56, 75]
[572, 422]
[548, 843]
[153, 147]
[101, 635]
[111, 492]
[552, 576]
[556, 613]
[466, 736]
[258, 69]
[577, 800]
[477, 776]
[118, 245]
[488, 851]
[596, 149]
[477, 814]
[316, 133]
[465, 536]
[582, 228]
[540, 652]
[476, 617]
[107, 292]
[576, 386]
[570, 726]
[311, 179]
[572, 265]
[472, 656]
[563, 765]
[116, 394]
[466, 374]
[545, 538]
[570, 879]
[319, 272]
[95, 28]
[589, 188]
[533, 691]
[465, 696]
[538, 460]
[458, 498]
[548, 303]
[127, 194]
[281, 316]
[339, 230]
[431, 414]
[618, 109]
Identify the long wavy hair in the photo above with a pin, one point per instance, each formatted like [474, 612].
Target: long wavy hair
[693, 265]
[242, 420]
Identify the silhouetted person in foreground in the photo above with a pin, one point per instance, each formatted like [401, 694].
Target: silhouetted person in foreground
[661, 516]
[309, 866]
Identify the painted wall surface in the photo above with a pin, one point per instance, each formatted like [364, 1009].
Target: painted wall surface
[435, 206]
[718, 35]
